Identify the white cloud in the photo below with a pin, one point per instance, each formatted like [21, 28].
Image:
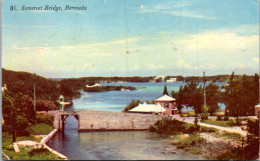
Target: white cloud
[108, 48]
[220, 41]
[170, 9]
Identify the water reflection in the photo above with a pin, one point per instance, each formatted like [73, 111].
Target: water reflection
[128, 145]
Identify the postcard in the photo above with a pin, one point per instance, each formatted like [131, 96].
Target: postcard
[130, 79]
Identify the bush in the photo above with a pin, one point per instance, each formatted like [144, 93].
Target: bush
[44, 118]
[168, 127]
[226, 118]
[204, 116]
[195, 121]
[219, 117]
[207, 129]
[171, 127]
[193, 129]
[253, 127]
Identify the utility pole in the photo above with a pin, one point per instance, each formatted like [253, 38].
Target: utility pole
[204, 79]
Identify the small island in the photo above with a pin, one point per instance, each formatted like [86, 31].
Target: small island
[100, 88]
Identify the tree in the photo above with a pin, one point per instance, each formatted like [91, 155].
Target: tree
[18, 112]
[45, 105]
[191, 95]
[212, 98]
[165, 90]
[132, 105]
[180, 101]
[240, 95]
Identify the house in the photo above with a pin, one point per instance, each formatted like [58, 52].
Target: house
[168, 103]
[148, 108]
[164, 105]
[171, 80]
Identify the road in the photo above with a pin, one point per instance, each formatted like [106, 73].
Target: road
[235, 129]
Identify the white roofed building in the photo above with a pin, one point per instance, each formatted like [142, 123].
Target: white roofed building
[148, 108]
[163, 105]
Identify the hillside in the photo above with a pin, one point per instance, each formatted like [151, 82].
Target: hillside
[45, 88]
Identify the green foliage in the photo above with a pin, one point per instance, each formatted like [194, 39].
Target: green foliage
[165, 90]
[253, 127]
[212, 97]
[24, 82]
[132, 105]
[18, 113]
[241, 95]
[207, 129]
[191, 95]
[7, 148]
[45, 105]
[172, 127]
[204, 116]
[190, 143]
[180, 100]
[46, 89]
[230, 122]
[44, 118]
[40, 129]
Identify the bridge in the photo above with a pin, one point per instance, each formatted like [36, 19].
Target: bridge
[105, 121]
[63, 117]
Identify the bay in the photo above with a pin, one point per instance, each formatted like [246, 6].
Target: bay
[127, 145]
[116, 101]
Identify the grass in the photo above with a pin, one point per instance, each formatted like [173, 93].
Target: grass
[28, 154]
[227, 135]
[229, 123]
[25, 153]
[40, 129]
[194, 144]
[190, 143]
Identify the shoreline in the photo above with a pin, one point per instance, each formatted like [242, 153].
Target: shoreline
[46, 138]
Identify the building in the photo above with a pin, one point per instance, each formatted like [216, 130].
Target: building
[164, 105]
[159, 78]
[171, 80]
[168, 103]
[148, 108]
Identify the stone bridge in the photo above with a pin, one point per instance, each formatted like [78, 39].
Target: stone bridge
[105, 121]
[115, 121]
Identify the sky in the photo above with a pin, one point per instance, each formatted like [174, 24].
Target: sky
[131, 37]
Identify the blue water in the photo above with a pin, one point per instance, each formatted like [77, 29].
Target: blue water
[116, 145]
[117, 100]
[127, 145]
